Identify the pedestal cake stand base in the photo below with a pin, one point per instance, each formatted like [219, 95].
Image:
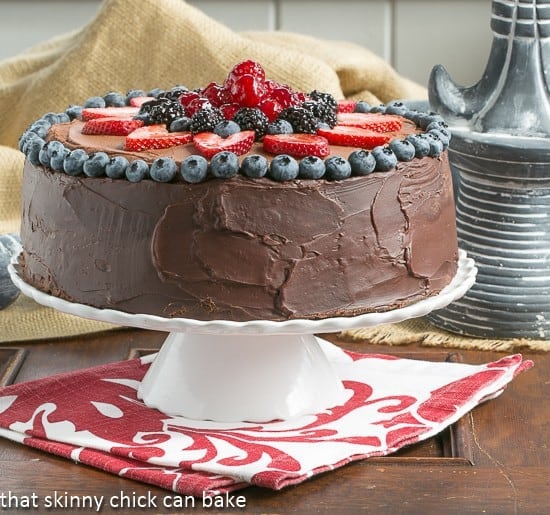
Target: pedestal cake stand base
[253, 371]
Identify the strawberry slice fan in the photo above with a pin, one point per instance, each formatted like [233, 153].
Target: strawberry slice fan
[95, 417]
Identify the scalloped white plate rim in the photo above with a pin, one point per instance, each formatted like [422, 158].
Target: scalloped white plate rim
[461, 283]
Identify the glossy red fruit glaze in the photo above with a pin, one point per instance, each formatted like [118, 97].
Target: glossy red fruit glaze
[247, 91]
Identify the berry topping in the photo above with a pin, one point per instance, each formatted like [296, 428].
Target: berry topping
[252, 119]
[137, 171]
[74, 162]
[205, 120]
[116, 167]
[279, 127]
[89, 113]
[337, 168]
[403, 149]
[283, 168]
[226, 128]
[163, 169]
[194, 169]
[182, 124]
[216, 94]
[155, 136]
[162, 111]
[311, 167]
[385, 158]
[114, 99]
[297, 145]
[95, 165]
[110, 126]
[374, 122]
[346, 106]
[209, 144]
[301, 119]
[354, 137]
[224, 165]
[420, 143]
[255, 166]
[362, 162]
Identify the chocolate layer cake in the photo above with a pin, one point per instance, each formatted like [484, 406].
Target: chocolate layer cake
[315, 225]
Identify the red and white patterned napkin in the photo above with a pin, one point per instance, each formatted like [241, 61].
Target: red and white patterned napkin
[93, 416]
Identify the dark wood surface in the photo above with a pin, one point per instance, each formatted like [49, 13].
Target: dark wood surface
[496, 460]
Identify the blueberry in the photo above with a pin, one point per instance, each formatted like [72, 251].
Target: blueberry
[182, 124]
[33, 150]
[254, 165]
[74, 162]
[436, 145]
[226, 128]
[163, 169]
[280, 127]
[420, 143]
[114, 99]
[378, 109]
[155, 92]
[224, 165]
[337, 168]
[137, 171]
[424, 119]
[51, 118]
[74, 112]
[144, 117]
[362, 107]
[51, 149]
[396, 107]
[25, 140]
[362, 162]
[441, 136]
[44, 156]
[311, 167]
[283, 168]
[133, 93]
[94, 102]
[194, 169]
[385, 158]
[63, 118]
[57, 158]
[95, 165]
[116, 167]
[403, 149]
[40, 128]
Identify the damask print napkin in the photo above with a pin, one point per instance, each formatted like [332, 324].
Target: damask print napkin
[93, 416]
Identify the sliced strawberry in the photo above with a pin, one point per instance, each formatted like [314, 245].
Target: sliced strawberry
[209, 144]
[297, 145]
[346, 106]
[89, 113]
[155, 136]
[139, 101]
[354, 137]
[374, 121]
[111, 126]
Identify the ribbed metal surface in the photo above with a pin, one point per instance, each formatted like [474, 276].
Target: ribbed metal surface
[503, 223]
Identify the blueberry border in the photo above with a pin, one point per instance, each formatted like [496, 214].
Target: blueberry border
[432, 142]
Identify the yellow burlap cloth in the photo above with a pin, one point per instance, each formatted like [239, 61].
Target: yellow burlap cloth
[161, 43]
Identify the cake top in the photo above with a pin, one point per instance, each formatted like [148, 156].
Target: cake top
[249, 124]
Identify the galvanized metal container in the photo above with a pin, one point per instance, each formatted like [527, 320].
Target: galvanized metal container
[500, 157]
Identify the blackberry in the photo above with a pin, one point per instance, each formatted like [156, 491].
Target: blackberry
[204, 120]
[162, 111]
[324, 98]
[301, 119]
[252, 119]
[325, 113]
[174, 94]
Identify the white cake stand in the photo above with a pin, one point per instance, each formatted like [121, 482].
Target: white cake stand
[253, 371]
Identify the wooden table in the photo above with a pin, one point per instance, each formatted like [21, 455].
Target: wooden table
[496, 460]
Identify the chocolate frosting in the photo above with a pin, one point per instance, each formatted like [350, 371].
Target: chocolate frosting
[242, 249]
